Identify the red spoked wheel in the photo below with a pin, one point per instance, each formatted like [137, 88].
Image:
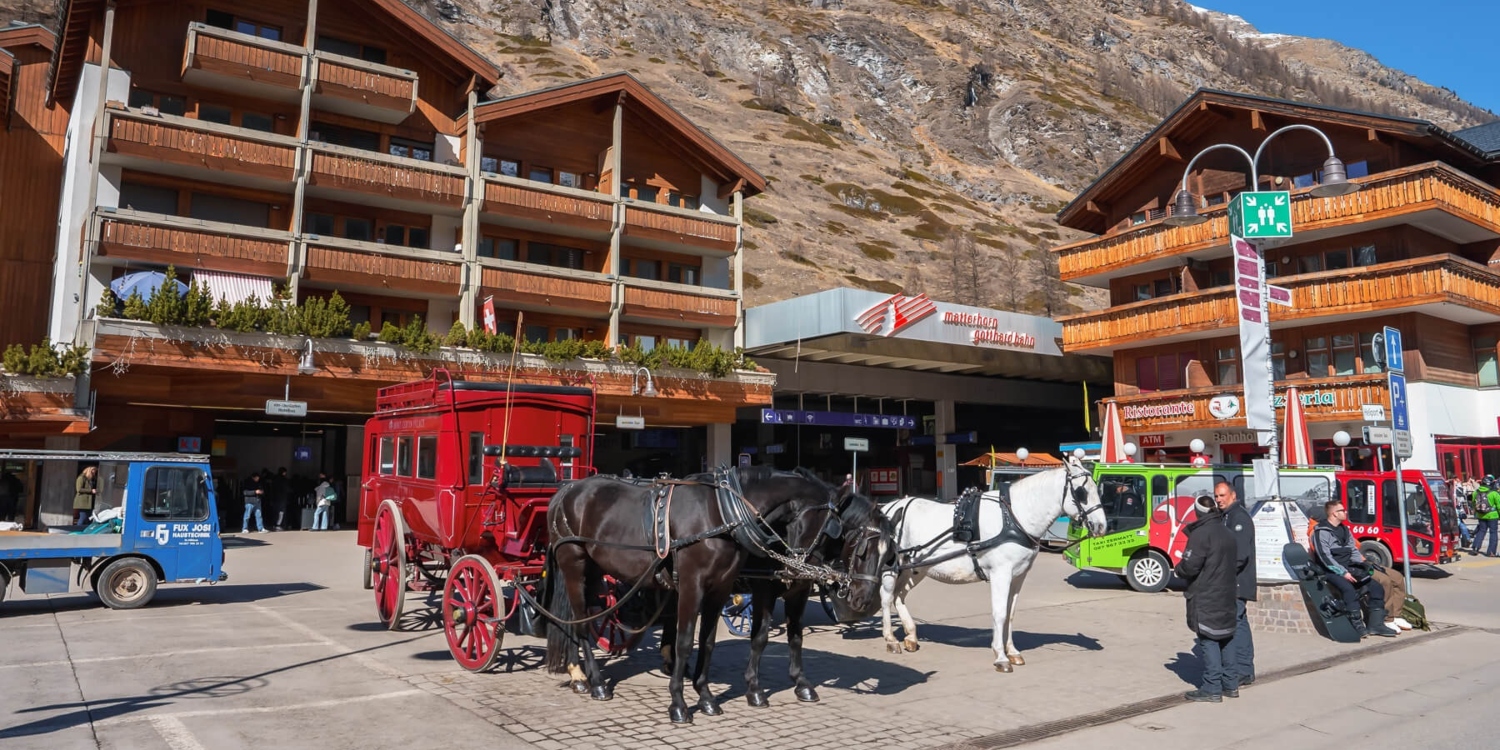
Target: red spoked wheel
[388, 564]
[611, 633]
[473, 613]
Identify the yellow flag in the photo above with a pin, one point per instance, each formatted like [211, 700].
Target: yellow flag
[1086, 408]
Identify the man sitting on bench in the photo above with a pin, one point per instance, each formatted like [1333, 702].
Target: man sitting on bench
[1347, 571]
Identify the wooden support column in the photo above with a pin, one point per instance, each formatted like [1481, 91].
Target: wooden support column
[297, 249]
[612, 264]
[473, 202]
[739, 268]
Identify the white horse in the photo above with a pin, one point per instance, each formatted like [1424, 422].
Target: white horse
[924, 534]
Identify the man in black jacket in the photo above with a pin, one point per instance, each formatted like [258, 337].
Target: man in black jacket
[1239, 523]
[1208, 564]
[1348, 572]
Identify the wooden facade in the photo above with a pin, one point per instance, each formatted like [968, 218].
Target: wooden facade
[1416, 247]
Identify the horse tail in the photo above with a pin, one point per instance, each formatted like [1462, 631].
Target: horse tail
[559, 636]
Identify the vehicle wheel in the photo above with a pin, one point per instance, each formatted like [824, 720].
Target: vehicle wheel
[388, 569]
[4, 582]
[1148, 571]
[1375, 553]
[126, 583]
[366, 575]
[473, 613]
[737, 615]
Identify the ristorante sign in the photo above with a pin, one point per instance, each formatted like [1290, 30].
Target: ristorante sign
[986, 330]
[1148, 411]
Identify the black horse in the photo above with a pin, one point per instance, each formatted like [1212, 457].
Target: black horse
[603, 526]
[859, 542]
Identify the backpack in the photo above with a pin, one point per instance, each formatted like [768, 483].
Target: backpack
[1482, 502]
[1413, 612]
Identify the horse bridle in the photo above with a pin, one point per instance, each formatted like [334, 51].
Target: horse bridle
[1072, 491]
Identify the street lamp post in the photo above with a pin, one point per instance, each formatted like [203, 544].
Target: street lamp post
[1255, 322]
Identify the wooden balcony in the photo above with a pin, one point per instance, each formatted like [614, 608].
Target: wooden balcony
[370, 91]
[157, 142]
[653, 224]
[241, 63]
[400, 182]
[542, 287]
[339, 263]
[1323, 399]
[1433, 195]
[190, 244]
[676, 304]
[548, 207]
[1444, 286]
[31, 408]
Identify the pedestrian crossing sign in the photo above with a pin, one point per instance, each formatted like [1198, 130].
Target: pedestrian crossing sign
[1261, 215]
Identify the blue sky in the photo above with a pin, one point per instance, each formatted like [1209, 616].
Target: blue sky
[1443, 42]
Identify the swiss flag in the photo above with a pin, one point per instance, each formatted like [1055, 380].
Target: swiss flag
[487, 314]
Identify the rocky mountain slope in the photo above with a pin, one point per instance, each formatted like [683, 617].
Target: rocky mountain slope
[922, 145]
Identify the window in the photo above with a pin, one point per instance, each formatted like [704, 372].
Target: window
[497, 247]
[1485, 361]
[539, 174]
[319, 224]
[675, 198]
[569, 179]
[645, 343]
[232, 22]
[215, 113]
[537, 333]
[682, 343]
[1278, 360]
[1345, 353]
[680, 274]
[645, 193]
[427, 457]
[172, 493]
[1163, 287]
[1124, 500]
[230, 210]
[1366, 340]
[1336, 260]
[395, 234]
[1418, 513]
[403, 456]
[1163, 372]
[1310, 264]
[1228, 359]
[1315, 348]
[489, 164]
[476, 458]
[255, 121]
[1364, 255]
[362, 230]
[554, 255]
[1226, 277]
[347, 48]
[1310, 492]
[645, 269]
[165, 104]
[1138, 217]
[1196, 485]
[510, 168]
[1214, 199]
[387, 455]
[409, 149]
[148, 198]
[364, 140]
[566, 441]
[1142, 292]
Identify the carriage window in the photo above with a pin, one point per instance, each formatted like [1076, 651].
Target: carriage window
[1418, 515]
[427, 457]
[403, 456]
[566, 441]
[387, 455]
[1359, 500]
[476, 458]
[1310, 492]
[1198, 485]
[173, 493]
[1123, 498]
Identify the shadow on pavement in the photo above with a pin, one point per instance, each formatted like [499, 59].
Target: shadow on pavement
[1187, 666]
[168, 596]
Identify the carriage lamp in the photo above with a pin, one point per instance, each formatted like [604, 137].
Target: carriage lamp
[1341, 439]
[1129, 451]
[635, 383]
[1022, 454]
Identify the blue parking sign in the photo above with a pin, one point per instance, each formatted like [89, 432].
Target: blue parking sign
[1397, 384]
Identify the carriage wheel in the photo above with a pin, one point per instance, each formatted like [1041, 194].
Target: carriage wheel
[610, 633]
[388, 564]
[737, 615]
[473, 613]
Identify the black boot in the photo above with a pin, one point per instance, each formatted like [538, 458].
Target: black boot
[1358, 623]
[1377, 622]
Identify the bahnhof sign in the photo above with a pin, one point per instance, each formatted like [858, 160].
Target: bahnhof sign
[927, 383]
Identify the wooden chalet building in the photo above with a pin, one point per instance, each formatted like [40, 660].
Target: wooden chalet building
[1417, 247]
[349, 146]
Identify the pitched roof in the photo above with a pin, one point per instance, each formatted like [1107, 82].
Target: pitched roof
[1146, 157]
[639, 99]
[77, 16]
[1484, 137]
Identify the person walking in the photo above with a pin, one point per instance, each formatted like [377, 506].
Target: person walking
[254, 493]
[1208, 564]
[1238, 521]
[1461, 509]
[323, 495]
[1487, 510]
[85, 491]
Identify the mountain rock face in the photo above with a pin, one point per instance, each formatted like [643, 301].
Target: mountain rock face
[921, 145]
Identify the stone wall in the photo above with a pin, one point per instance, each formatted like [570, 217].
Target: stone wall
[1280, 609]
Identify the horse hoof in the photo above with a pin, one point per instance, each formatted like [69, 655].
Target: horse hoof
[807, 695]
[680, 715]
[893, 647]
[709, 708]
[1017, 660]
[757, 699]
[580, 687]
[602, 693]
[910, 644]
[1004, 666]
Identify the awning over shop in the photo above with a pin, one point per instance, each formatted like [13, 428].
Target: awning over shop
[1034, 460]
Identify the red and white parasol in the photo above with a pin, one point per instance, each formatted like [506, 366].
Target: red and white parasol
[1297, 447]
[1112, 450]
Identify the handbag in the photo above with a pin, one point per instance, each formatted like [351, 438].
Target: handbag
[1414, 613]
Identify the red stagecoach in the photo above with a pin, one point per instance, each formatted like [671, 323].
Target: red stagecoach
[434, 512]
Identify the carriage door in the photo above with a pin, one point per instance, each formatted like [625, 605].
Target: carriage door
[1419, 521]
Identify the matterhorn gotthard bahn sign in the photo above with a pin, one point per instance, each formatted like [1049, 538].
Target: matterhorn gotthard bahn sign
[921, 319]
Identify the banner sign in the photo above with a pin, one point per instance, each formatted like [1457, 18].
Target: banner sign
[1255, 340]
[837, 419]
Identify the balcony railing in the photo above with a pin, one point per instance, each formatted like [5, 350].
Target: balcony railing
[373, 173]
[357, 88]
[206, 145]
[678, 226]
[191, 243]
[1323, 400]
[1399, 192]
[241, 62]
[515, 283]
[1350, 292]
[680, 304]
[548, 204]
[331, 261]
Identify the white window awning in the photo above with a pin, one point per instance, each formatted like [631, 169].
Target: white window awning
[234, 287]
